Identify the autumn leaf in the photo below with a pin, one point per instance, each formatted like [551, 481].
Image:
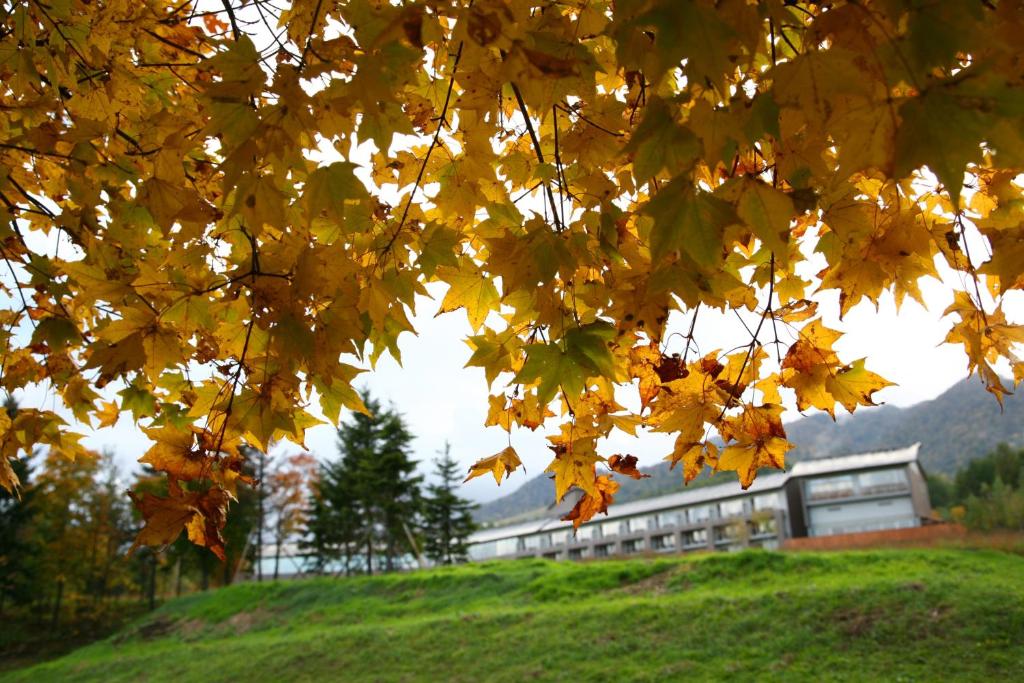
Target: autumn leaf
[191, 242]
[591, 504]
[502, 463]
[574, 469]
[754, 439]
[694, 455]
[626, 464]
[471, 291]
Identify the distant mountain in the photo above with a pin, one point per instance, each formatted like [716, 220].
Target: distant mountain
[962, 424]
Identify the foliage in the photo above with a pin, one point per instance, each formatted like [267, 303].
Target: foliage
[366, 502]
[287, 490]
[1004, 463]
[914, 615]
[988, 493]
[205, 222]
[19, 547]
[447, 518]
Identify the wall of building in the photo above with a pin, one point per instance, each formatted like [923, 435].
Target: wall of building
[823, 502]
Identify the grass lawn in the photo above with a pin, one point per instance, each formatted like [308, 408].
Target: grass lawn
[879, 615]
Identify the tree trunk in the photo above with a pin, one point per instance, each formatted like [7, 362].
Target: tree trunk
[55, 617]
[177, 577]
[152, 583]
[260, 521]
[277, 554]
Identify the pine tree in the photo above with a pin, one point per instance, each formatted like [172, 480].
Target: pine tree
[368, 499]
[447, 518]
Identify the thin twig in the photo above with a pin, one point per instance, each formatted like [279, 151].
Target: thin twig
[441, 122]
[537, 149]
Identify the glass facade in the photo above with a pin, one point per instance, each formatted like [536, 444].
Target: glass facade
[663, 542]
[882, 481]
[695, 537]
[829, 488]
[730, 508]
[698, 514]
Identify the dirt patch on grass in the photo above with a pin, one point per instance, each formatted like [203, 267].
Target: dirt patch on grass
[655, 584]
[243, 622]
[856, 622]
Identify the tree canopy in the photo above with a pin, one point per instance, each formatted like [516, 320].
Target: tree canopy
[219, 214]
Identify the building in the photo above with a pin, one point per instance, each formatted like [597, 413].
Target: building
[848, 494]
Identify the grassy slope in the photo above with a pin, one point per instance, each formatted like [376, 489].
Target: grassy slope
[910, 615]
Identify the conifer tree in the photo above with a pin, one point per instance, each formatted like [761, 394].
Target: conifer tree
[447, 518]
[370, 497]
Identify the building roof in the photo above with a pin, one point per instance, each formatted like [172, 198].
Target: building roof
[852, 463]
[763, 484]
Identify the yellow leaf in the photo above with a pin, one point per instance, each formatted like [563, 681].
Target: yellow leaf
[502, 463]
[109, 413]
[591, 504]
[471, 291]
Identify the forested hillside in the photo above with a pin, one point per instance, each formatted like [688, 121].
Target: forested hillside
[962, 424]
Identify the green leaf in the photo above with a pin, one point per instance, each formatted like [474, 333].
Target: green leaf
[329, 187]
[937, 132]
[659, 142]
[690, 221]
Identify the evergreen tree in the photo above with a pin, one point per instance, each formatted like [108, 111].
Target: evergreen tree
[447, 518]
[19, 547]
[368, 500]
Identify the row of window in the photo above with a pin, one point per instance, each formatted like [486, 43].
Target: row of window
[659, 542]
[862, 484]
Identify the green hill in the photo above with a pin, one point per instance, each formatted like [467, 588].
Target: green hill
[884, 615]
[962, 424]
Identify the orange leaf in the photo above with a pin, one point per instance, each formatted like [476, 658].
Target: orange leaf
[590, 504]
[626, 464]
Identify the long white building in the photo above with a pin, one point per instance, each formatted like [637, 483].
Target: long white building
[866, 492]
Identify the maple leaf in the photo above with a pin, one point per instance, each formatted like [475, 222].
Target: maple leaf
[591, 504]
[694, 455]
[471, 291]
[502, 463]
[109, 414]
[626, 464]
[760, 441]
[573, 468]
[575, 177]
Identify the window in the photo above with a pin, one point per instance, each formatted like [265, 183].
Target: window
[482, 551]
[531, 542]
[545, 540]
[726, 533]
[550, 556]
[882, 481]
[730, 508]
[765, 501]
[609, 529]
[663, 542]
[602, 550]
[635, 545]
[624, 526]
[698, 514]
[577, 553]
[828, 488]
[508, 546]
[668, 519]
[762, 527]
[695, 537]
[559, 537]
[652, 522]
